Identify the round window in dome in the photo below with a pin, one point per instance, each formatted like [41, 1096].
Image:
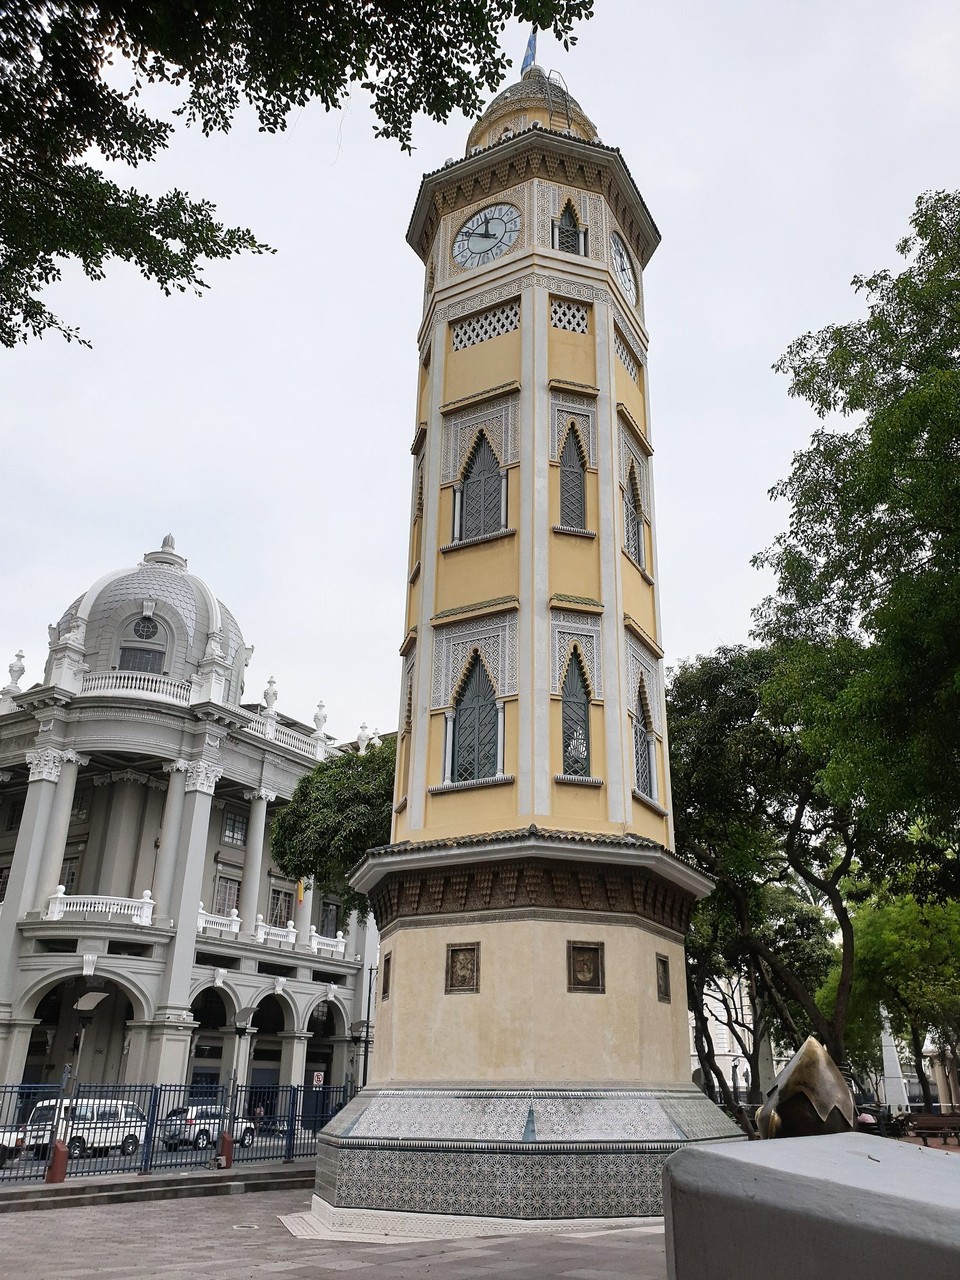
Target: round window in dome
[145, 629]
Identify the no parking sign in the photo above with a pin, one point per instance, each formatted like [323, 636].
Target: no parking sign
[318, 1079]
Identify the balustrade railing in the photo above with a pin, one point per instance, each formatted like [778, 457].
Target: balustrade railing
[139, 683]
[208, 921]
[136, 910]
[264, 932]
[267, 727]
[318, 943]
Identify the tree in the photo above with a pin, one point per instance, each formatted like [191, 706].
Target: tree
[63, 110]
[908, 962]
[872, 552]
[750, 810]
[337, 813]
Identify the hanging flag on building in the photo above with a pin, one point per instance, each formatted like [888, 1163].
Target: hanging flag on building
[530, 57]
[299, 891]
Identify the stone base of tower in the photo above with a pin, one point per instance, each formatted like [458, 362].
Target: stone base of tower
[530, 1154]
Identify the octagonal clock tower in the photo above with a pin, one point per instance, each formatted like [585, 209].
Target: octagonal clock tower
[532, 1055]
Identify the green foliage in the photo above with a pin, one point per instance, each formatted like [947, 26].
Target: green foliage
[872, 552]
[337, 813]
[62, 111]
[751, 810]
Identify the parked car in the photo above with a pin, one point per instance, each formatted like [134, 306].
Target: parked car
[11, 1143]
[198, 1126]
[86, 1125]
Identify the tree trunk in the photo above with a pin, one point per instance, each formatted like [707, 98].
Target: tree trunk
[916, 1041]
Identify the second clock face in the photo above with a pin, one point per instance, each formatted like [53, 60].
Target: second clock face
[486, 235]
[623, 267]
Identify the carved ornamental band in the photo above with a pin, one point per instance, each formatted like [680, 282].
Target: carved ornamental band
[525, 883]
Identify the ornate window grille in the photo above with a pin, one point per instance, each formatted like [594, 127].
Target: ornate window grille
[633, 521]
[481, 502]
[575, 719]
[475, 728]
[626, 357]
[572, 484]
[568, 235]
[485, 324]
[642, 750]
[572, 316]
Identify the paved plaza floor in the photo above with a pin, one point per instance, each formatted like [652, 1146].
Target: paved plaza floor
[240, 1236]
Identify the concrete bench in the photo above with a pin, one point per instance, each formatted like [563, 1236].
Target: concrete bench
[842, 1206]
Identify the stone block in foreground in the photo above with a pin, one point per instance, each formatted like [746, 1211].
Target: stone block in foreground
[839, 1207]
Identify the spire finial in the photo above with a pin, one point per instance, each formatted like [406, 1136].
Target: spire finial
[530, 56]
[168, 543]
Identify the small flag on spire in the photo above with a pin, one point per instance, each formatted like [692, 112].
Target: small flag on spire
[530, 57]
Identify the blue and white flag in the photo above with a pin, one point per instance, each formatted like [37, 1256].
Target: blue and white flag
[530, 57]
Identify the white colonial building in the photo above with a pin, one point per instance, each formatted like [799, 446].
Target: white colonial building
[136, 793]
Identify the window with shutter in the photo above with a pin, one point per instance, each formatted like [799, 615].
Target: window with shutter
[482, 486]
[576, 720]
[642, 750]
[572, 503]
[633, 521]
[475, 728]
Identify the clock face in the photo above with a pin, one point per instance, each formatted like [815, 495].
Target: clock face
[623, 267]
[145, 628]
[486, 235]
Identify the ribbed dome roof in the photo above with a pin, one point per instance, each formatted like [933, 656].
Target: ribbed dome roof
[546, 95]
[186, 611]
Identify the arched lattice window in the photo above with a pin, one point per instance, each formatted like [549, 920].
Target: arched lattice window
[481, 499]
[643, 750]
[633, 521]
[576, 720]
[475, 728]
[143, 646]
[568, 235]
[572, 487]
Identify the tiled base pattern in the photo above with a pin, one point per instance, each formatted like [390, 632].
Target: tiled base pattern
[499, 1185]
[527, 1153]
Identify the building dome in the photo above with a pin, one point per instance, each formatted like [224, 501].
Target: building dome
[537, 98]
[155, 617]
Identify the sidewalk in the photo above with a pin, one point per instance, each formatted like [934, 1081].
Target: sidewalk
[241, 1237]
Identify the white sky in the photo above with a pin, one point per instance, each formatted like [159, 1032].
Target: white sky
[780, 149]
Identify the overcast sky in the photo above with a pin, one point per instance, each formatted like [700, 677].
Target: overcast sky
[780, 149]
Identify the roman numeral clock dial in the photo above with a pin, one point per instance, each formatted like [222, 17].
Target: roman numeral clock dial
[486, 235]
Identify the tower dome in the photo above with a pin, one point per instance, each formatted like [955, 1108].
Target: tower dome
[155, 617]
[536, 99]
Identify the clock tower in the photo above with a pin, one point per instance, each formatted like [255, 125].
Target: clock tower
[532, 1055]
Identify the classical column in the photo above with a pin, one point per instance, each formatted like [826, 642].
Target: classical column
[169, 837]
[293, 1056]
[174, 1004]
[303, 915]
[253, 856]
[48, 876]
[123, 829]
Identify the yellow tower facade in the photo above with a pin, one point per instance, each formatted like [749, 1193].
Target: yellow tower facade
[531, 989]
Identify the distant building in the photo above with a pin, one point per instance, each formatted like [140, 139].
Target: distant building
[136, 793]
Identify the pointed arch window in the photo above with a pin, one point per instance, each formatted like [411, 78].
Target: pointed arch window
[476, 728]
[568, 235]
[643, 751]
[573, 513]
[480, 502]
[575, 715]
[633, 535]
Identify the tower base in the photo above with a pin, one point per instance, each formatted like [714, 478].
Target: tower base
[526, 1153]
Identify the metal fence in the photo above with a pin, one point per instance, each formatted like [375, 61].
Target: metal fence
[143, 1128]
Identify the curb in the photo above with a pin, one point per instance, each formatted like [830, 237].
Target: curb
[83, 1192]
